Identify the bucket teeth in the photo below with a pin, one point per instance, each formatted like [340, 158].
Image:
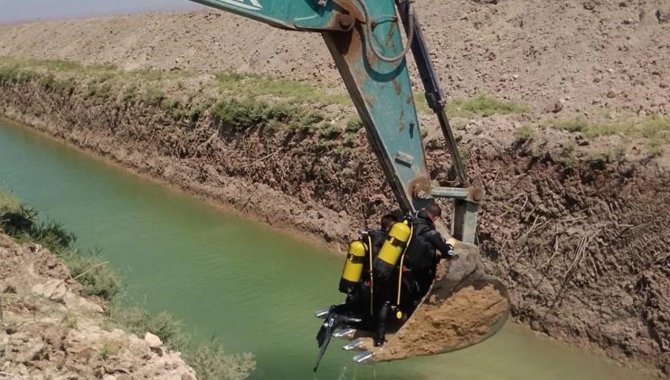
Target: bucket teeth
[347, 333]
[364, 357]
[322, 314]
[354, 345]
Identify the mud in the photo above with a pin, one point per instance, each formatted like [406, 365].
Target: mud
[445, 326]
[577, 247]
[463, 307]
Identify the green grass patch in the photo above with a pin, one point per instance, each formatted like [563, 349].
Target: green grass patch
[153, 96]
[8, 202]
[211, 362]
[244, 101]
[69, 320]
[240, 115]
[483, 105]
[109, 349]
[209, 359]
[252, 86]
[138, 321]
[653, 127]
[566, 156]
[599, 159]
[55, 66]
[12, 74]
[655, 130]
[524, 133]
[90, 270]
[353, 125]
[590, 129]
[52, 83]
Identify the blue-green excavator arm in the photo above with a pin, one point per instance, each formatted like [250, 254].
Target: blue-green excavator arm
[365, 38]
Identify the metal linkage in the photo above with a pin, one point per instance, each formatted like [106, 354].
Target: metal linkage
[466, 199]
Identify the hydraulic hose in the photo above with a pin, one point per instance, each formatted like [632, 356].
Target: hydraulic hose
[369, 27]
[372, 280]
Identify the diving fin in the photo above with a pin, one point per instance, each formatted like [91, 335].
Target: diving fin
[324, 335]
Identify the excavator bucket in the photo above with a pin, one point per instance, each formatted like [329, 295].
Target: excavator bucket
[463, 307]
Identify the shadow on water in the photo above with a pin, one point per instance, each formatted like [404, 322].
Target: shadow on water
[224, 276]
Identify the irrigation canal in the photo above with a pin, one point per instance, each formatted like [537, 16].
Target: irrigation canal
[225, 276]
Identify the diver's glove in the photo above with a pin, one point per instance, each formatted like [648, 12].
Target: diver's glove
[450, 251]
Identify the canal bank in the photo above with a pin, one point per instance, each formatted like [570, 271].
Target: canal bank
[566, 226]
[238, 280]
[50, 326]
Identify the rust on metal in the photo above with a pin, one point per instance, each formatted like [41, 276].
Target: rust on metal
[397, 87]
[420, 188]
[475, 194]
[345, 21]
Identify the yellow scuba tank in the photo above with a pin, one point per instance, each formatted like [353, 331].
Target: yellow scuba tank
[353, 266]
[393, 247]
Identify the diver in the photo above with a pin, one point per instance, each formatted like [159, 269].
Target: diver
[426, 248]
[377, 239]
[395, 268]
[379, 236]
[357, 281]
[404, 269]
[364, 298]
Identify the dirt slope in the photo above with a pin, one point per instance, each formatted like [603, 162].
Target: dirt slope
[592, 57]
[49, 331]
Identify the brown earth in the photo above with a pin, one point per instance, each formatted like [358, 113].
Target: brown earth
[462, 319]
[463, 307]
[48, 330]
[587, 57]
[580, 240]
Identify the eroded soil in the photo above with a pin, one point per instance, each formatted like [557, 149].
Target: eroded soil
[49, 331]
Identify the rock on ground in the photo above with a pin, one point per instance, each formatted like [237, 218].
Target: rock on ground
[49, 331]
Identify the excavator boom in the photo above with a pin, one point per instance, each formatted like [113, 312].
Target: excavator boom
[359, 36]
[365, 39]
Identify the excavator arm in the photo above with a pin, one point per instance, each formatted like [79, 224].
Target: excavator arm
[365, 39]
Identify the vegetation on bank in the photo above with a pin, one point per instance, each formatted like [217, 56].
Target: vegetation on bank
[188, 94]
[209, 360]
[654, 130]
[241, 103]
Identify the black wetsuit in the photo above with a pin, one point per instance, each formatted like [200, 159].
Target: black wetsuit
[421, 258]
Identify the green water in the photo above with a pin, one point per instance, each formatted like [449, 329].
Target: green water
[224, 276]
